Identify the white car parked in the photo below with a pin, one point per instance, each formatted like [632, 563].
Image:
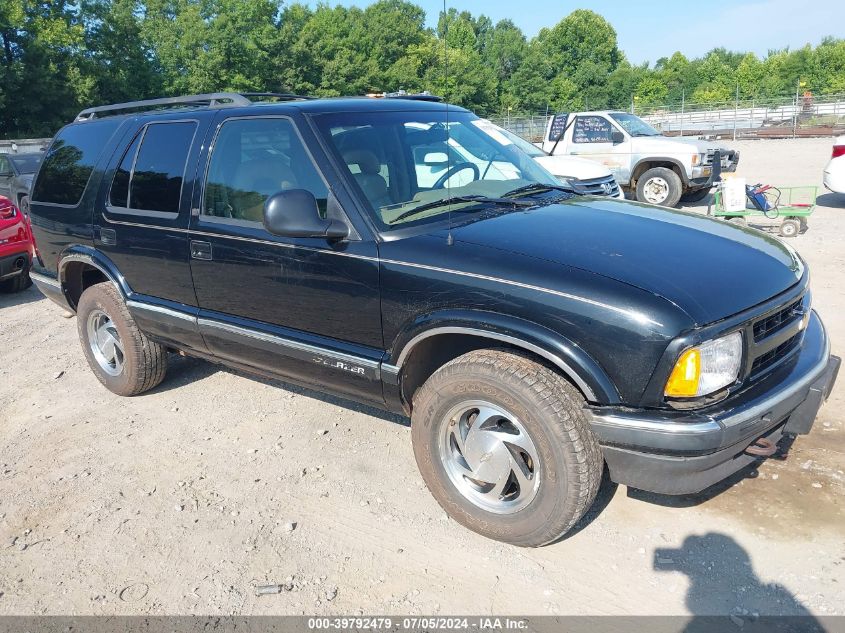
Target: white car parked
[834, 173]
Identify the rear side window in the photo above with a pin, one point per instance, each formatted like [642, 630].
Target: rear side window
[150, 174]
[69, 162]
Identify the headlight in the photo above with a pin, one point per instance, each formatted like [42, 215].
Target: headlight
[706, 368]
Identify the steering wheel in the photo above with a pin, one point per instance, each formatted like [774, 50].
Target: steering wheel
[454, 169]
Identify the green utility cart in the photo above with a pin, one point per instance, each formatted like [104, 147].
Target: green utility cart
[792, 205]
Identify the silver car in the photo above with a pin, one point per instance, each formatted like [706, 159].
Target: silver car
[16, 174]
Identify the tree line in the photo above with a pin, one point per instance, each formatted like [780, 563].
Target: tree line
[58, 56]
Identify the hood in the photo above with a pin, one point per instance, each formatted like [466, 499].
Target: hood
[563, 166]
[669, 145]
[710, 268]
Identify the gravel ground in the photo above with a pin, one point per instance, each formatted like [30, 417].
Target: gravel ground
[183, 500]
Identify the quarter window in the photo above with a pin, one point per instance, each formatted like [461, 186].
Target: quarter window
[592, 129]
[252, 159]
[70, 161]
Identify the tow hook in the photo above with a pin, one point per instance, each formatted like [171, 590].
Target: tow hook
[761, 447]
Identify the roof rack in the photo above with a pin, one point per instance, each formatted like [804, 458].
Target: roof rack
[281, 96]
[211, 100]
[401, 94]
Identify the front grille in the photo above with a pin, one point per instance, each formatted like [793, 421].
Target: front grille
[605, 186]
[773, 356]
[727, 157]
[777, 321]
[769, 345]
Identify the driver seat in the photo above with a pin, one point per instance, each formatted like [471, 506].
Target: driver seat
[369, 179]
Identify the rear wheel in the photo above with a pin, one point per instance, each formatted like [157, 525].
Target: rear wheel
[790, 227]
[659, 185]
[19, 282]
[504, 447]
[24, 205]
[122, 357]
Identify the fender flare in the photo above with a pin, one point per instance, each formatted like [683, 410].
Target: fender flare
[94, 258]
[572, 360]
[662, 159]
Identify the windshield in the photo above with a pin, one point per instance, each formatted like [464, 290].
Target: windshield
[633, 124]
[407, 161]
[26, 164]
[529, 148]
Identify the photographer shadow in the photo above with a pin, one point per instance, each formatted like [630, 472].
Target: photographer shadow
[725, 593]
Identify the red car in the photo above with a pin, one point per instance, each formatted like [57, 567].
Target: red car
[16, 247]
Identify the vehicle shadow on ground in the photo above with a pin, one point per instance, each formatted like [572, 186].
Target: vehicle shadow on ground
[183, 371]
[725, 593]
[11, 299]
[832, 200]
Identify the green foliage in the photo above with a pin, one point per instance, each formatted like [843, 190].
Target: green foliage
[59, 56]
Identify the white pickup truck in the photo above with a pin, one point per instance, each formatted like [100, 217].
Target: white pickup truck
[657, 169]
[584, 177]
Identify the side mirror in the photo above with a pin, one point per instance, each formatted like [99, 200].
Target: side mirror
[436, 158]
[617, 137]
[294, 213]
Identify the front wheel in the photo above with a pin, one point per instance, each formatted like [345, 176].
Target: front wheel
[659, 185]
[504, 448]
[119, 354]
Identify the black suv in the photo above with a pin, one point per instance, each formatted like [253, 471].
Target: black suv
[533, 336]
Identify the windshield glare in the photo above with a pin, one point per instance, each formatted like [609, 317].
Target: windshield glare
[633, 124]
[404, 160]
[26, 164]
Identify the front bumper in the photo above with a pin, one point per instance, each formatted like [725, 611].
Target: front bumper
[674, 452]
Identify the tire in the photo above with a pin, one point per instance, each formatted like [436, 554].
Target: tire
[138, 364]
[660, 179]
[557, 453]
[695, 196]
[740, 220]
[790, 227]
[24, 205]
[16, 283]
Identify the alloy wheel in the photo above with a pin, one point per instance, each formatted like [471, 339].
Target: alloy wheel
[104, 341]
[489, 457]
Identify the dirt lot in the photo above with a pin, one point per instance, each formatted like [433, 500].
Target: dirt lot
[181, 501]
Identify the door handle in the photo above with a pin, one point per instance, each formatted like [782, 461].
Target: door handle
[200, 250]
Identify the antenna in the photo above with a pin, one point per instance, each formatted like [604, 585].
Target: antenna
[449, 239]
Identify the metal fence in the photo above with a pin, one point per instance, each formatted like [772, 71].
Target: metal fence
[783, 117]
[24, 145]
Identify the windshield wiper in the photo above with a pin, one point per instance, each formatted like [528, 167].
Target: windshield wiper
[539, 187]
[457, 199]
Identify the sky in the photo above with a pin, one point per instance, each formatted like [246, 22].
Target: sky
[648, 31]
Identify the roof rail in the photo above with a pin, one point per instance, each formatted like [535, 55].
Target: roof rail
[212, 100]
[401, 94]
[281, 96]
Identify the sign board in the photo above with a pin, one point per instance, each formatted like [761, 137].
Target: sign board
[558, 125]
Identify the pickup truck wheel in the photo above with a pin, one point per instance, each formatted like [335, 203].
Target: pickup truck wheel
[120, 355]
[504, 447]
[659, 185]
